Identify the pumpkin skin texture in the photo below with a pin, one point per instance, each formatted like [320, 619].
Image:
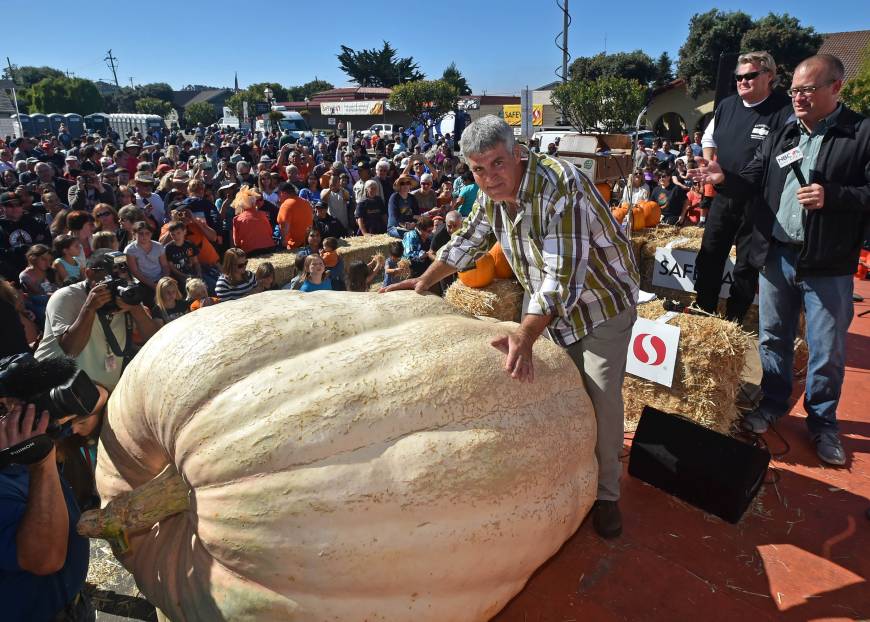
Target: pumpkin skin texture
[652, 212]
[503, 268]
[482, 274]
[349, 456]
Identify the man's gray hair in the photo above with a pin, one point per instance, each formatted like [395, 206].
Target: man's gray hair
[371, 183]
[486, 133]
[242, 164]
[762, 60]
[382, 165]
[453, 217]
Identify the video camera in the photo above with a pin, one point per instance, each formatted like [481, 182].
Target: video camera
[55, 385]
[121, 284]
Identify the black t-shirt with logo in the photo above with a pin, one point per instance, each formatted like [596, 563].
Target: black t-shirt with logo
[16, 238]
[181, 256]
[740, 129]
[374, 214]
[670, 199]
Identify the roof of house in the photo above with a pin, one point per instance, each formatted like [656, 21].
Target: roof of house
[352, 92]
[849, 47]
[7, 106]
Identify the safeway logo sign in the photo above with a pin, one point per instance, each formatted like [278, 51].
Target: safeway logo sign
[653, 352]
[649, 349]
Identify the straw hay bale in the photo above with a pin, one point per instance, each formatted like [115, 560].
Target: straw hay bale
[284, 262]
[502, 299]
[707, 375]
[647, 262]
[362, 247]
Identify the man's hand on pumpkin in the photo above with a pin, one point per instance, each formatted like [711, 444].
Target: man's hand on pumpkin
[517, 345]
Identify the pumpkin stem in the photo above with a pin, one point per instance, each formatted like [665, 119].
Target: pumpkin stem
[137, 510]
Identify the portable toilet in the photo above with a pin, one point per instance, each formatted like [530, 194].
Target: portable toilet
[75, 123]
[54, 120]
[41, 124]
[25, 123]
[97, 122]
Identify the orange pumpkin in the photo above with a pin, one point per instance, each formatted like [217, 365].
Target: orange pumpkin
[639, 221]
[605, 191]
[652, 213]
[481, 275]
[619, 213]
[503, 268]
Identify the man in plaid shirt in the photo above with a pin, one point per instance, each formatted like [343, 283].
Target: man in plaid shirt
[575, 265]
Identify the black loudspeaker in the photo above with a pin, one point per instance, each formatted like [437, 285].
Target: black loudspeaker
[725, 84]
[713, 472]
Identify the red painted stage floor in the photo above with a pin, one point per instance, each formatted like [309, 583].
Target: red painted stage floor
[801, 553]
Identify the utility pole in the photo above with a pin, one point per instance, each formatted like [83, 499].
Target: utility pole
[111, 60]
[566, 21]
[131, 83]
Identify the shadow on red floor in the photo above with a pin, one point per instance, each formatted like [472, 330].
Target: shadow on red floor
[802, 551]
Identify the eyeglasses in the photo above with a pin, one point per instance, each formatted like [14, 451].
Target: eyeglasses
[405, 183]
[104, 214]
[806, 90]
[751, 75]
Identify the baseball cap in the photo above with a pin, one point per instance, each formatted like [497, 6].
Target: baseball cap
[102, 259]
[8, 197]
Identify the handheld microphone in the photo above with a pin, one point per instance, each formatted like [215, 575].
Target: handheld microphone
[793, 158]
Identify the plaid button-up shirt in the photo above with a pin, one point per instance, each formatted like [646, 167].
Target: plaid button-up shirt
[566, 250]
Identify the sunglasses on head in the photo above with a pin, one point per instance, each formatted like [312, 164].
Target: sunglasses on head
[750, 75]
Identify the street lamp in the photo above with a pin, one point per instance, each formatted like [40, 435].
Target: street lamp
[268, 93]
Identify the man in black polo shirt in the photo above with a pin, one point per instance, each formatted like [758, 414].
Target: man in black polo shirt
[740, 124]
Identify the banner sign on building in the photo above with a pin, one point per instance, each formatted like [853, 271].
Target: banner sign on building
[359, 107]
[468, 103]
[513, 114]
[652, 351]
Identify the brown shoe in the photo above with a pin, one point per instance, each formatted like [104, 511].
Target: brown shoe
[607, 519]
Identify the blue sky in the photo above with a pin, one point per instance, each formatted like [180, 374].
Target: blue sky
[500, 46]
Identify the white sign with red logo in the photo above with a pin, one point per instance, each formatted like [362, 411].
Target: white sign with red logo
[652, 352]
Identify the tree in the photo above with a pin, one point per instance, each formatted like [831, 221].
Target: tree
[25, 77]
[152, 105]
[856, 92]
[608, 103]
[65, 95]
[664, 69]
[200, 112]
[157, 90]
[424, 98]
[378, 67]
[710, 34]
[786, 40]
[299, 93]
[635, 65]
[236, 102]
[453, 76]
[279, 93]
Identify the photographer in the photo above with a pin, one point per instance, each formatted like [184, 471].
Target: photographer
[88, 191]
[43, 561]
[91, 324]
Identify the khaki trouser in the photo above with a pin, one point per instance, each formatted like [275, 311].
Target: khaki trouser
[600, 356]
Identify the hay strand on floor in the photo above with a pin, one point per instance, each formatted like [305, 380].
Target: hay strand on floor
[707, 374]
[502, 299]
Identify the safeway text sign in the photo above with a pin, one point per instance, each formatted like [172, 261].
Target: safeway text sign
[652, 351]
[675, 269]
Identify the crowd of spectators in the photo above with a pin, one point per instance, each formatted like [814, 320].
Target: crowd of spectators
[188, 210]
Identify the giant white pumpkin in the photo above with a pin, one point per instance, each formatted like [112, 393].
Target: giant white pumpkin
[344, 457]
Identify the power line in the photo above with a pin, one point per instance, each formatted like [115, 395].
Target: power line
[111, 60]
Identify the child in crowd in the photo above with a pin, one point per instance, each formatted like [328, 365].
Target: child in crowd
[265, 275]
[332, 261]
[296, 281]
[35, 281]
[314, 276]
[169, 300]
[391, 266]
[67, 250]
[361, 275]
[197, 294]
[104, 239]
[182, 253]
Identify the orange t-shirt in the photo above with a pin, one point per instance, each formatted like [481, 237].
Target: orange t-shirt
[330, 258]
[252, 231]
[297, 215]
[207, 254]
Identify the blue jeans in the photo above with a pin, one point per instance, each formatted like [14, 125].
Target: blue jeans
[827, 303]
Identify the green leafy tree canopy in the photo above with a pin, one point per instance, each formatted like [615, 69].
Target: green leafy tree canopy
[608, 103]
[453, 76]
[152, 105]
[299, 93]
[378, 67]
[65, 95]
[785, 39]
[635, 65]
[710, 34]
[856, 92]
[435, 97]
[200, 112]
[664, 70]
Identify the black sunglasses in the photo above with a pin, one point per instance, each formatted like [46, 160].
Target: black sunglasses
[751, 75]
